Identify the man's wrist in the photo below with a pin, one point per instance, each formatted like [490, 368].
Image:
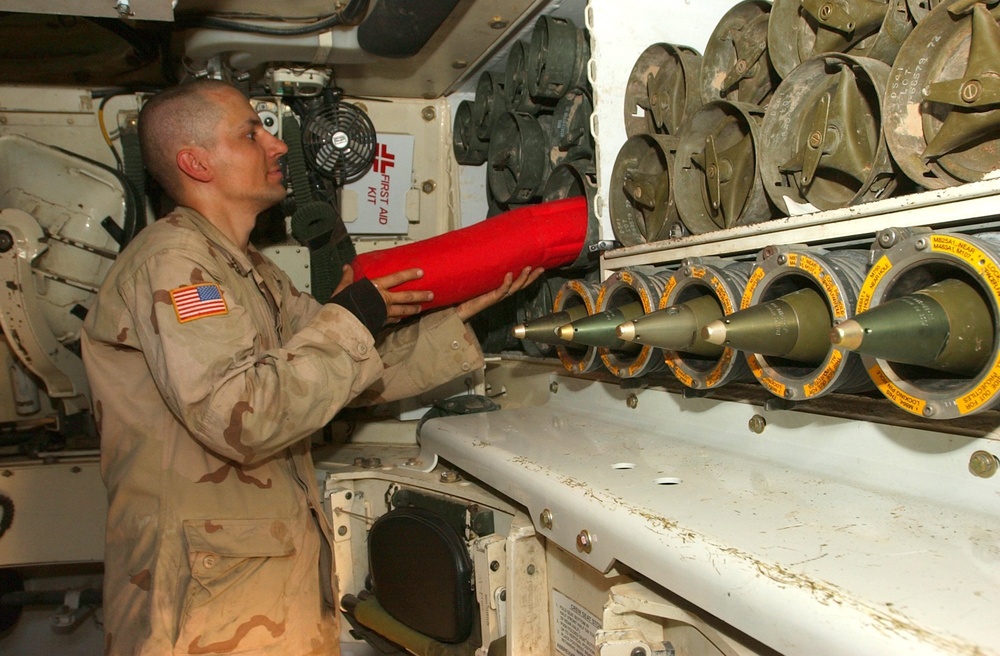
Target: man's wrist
[363, 299]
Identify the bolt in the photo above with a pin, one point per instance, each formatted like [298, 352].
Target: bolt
[530, 570]
[7, 473]
[459, 64]
[494, 565]
[632, 401]
[450, 476]
[789, 393]
[971, 90]
[75, 470]
[782, 259]
[545, 518]
[920, 244]
[584, 542]
[498, 23]
[554, 387]
[341, 531]
[123, 9]
[503, 595]
[428, 186]
[741, 66]
[983, 464]
[712, 171]
[929, 410]
[428, 113]
[887, 238]
[348, 496]
[825, 11]
[815, 139]
[638, 651]
[757, 424]
[6, 241]
[412, 462]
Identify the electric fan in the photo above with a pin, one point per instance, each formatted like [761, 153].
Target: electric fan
[339, 142]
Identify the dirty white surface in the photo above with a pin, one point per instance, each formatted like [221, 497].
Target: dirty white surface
[818, 536]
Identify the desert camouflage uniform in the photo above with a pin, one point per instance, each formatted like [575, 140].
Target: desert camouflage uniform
[215, 529]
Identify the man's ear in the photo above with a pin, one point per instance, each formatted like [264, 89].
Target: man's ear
[193, 163]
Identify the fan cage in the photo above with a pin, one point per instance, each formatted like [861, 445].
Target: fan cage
[339, 141]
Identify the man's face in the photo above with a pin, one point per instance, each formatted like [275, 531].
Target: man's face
[245, 155]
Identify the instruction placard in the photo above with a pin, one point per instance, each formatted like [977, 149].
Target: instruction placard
[576, 627]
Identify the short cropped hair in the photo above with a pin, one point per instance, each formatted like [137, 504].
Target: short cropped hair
[173, 119]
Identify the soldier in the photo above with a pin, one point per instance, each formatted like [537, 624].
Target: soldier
[209, 371]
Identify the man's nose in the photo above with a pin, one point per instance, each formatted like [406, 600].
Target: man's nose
[277, 147]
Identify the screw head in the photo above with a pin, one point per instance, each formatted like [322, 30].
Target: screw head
[971, 90]
[6, 241]
[428, 113]
[494, 565]
[554, 387]
[545, 518]
[341, 531]
[983, 464]
[584, 542]
[632, 401]
[450, 476]
[428, 186]
[815, 139]
[757, 424]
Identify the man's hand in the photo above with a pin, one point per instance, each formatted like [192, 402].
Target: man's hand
[401, 304]
[509, 287]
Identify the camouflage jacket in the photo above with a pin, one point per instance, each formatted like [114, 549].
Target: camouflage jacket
[208, 371]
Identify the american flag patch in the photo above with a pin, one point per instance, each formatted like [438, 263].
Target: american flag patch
[198, 301]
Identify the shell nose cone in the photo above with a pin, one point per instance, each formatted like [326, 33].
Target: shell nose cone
[847, 335]
[714, 332]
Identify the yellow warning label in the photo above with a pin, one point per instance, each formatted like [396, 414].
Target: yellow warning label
[816, 270]
[667, 291]
[773, 386]
[755, 278]
[647, 305]
[722, 367]
[806, 263]
[679, 373]
[875, 275]
[722, 295]
[905, 401]
[825, 377]
[983, 393]
[975, 257]
[698, 272]
[959, 248]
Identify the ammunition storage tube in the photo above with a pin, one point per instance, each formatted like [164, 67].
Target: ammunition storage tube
[951, 284]
[808, 291]
[621, 291]
[695, 280]
[577, 358]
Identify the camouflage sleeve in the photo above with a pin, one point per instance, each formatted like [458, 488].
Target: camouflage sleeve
[224, 376]
[300, 307]
[422, 355]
